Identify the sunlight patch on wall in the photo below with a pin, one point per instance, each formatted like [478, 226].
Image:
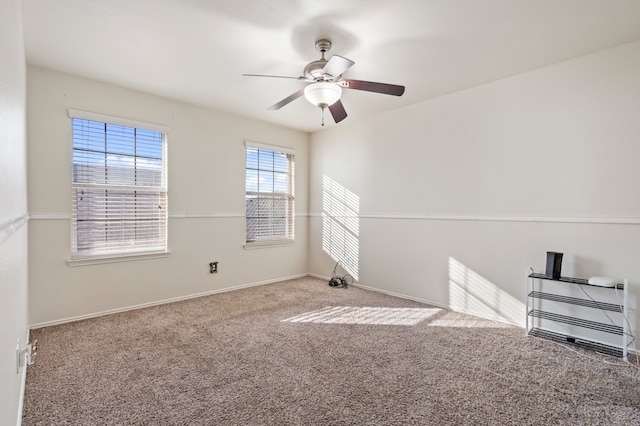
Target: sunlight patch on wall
[366, 315]
[341, 225]
[472, 293]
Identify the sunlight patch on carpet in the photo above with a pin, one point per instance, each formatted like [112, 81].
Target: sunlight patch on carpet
[366, 315]
[467, 323]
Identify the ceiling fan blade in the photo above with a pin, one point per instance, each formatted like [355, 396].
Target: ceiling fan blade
[337, 65]
[273, 76]
[288, 99]
[370, 86]
[337, 111]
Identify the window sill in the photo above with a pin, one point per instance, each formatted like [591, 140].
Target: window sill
[115, 258]
[265, 244]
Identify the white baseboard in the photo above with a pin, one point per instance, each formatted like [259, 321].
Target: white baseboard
[161, 302]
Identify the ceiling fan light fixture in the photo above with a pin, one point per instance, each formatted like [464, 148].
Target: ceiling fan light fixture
[323, 94]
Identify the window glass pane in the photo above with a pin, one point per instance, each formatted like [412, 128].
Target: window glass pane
[280, 162]
[120, 139]
[252, 229]
[279, 207]
[149, 144]
[264, 207]
[148, 172]
[252, 158]
[88, 135]
[281, 183]
[86, 172]
[120, 170]
[265, 181]
[251, 203]
[252, 180]
[265, 159]
[262, 228]
[279, 227]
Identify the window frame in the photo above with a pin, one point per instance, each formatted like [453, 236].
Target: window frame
[121, 253]
[288, 195]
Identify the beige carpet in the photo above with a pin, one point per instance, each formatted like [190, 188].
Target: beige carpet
[302, 353]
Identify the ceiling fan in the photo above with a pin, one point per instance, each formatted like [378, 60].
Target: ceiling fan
[327, 83]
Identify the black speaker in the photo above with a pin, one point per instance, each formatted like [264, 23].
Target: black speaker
[554, 265]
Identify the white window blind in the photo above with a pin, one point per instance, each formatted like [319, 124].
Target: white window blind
[269, 193]
[119, 189]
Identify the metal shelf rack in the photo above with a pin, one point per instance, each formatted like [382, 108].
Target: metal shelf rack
[533, 311]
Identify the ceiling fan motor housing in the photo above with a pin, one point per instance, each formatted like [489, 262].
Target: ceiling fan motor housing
[313, 70]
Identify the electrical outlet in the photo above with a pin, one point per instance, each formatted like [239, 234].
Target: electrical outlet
[27, 355]
[213, 267]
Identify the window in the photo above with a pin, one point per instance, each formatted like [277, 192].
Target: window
[269, 193]
[119, 187]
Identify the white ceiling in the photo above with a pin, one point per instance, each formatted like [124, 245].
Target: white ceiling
[196, 50]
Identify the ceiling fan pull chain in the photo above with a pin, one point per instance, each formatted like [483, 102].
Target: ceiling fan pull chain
[322, 116]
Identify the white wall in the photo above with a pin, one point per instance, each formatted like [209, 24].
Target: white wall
[453, 199]
[13, 210]
[206, 203]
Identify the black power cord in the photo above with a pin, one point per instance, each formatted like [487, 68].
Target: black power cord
[340, 282]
